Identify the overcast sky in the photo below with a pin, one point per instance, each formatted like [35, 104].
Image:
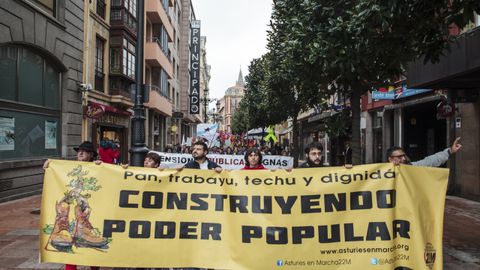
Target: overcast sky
[236, 33]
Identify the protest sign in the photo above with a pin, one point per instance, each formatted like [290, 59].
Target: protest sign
[370, 216]
[228, 162]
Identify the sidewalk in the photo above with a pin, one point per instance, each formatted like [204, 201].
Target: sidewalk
[19, 235]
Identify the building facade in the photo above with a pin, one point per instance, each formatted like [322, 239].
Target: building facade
[108, 72]
[41, 63]
[458, 72]
[187, 124]
[159, 69]
[230, 102]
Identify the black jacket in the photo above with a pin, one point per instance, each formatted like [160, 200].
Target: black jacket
[194, 165]
[306, 165]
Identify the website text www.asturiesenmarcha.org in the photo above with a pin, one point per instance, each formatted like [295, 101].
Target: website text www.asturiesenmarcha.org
[364, 249]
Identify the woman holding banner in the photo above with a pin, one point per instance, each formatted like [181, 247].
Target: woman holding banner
[253, 160]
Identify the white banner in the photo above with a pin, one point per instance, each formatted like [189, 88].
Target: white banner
[228, 162]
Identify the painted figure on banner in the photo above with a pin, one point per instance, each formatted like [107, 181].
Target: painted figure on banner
[71, 232]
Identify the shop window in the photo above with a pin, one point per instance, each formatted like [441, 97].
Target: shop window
[8, 67]
[30, 71]
[52, 86]
[29, 105]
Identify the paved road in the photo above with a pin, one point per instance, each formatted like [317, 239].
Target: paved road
[19, 235]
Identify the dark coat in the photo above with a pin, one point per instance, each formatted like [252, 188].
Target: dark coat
[194, 165]
[306, 165]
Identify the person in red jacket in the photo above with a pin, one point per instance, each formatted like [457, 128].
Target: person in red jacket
[253, 160]
[108, 151]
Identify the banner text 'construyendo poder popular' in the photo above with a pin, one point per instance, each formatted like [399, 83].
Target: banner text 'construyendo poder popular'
[371, 215]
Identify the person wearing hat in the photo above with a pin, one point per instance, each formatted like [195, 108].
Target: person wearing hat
[85, 152]
[60, 238]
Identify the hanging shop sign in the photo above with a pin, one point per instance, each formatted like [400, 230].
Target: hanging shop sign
[391, 93]
[96, 110]
[445, 109]
[195, 68]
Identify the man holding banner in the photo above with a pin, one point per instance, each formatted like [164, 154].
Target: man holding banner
[200, 160]
[367, 217]
[397, 156]
[313, 153]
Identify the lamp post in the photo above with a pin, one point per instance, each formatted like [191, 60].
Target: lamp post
[206, 100]
[139, 149]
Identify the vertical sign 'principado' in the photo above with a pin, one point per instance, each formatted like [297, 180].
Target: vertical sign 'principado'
[195, 68]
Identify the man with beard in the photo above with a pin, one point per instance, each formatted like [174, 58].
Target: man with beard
[200, 160]
[313, 154]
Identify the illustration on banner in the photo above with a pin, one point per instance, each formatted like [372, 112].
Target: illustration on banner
[75, 231]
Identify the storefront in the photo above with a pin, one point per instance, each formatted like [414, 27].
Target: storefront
[109, 123]
[40, 105]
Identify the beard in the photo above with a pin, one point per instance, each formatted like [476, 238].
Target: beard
[313, 164]
[199, 157]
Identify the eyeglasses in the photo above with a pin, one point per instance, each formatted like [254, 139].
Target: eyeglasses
[399, 156]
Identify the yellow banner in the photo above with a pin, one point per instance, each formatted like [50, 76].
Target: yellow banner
[370, 217]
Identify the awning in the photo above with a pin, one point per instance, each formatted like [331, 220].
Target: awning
[413, 102]
[96, 110]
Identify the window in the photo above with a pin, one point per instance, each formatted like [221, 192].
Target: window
[161, 37]
[160, 82]
[116, 3]
[128, 58]
[163, 83]
[131, 6]
[49, 6]
[116, 15]
[115, 60]
[28, 78]
[125, 12]
[99, 75]
[29, 105]
[101, 8]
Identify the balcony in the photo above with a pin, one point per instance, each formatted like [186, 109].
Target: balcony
[157, 14]
[457, 69]
[159, 101]
[155, 57]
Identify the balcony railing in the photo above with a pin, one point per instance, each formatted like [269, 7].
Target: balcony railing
[159, 43]
[157, 89]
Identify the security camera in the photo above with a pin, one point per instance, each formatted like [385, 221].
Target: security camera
[85, 86]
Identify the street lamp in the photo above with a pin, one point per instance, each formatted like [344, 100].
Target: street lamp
[206, 101]
[139, 149]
